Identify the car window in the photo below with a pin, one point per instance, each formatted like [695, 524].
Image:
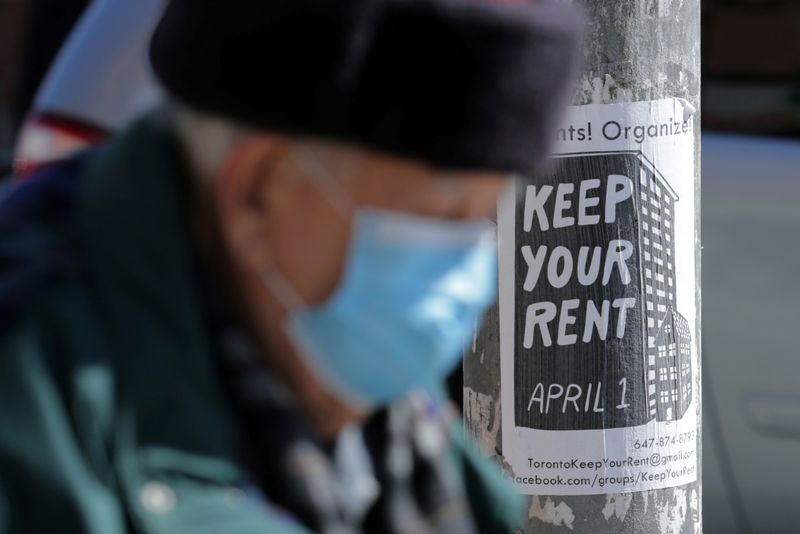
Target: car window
[752, 66]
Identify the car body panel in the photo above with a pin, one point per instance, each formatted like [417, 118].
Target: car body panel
[751, 316]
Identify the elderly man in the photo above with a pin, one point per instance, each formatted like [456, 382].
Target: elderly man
[235, 316]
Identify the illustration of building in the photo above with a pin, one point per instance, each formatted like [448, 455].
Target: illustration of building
[647, 369]
[669, 368]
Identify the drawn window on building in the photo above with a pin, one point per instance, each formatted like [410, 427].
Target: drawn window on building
[667, 223]
[659, 261]
[643, 178]
[669, 238]
[647, 256]
[662, 374]
[662, 294]
[646, 241]
[664, 397]
[649, 305]
[651, 341]
[649, 288]
[669, 280]
[656, 244]
[666, 209]
[644, 196]
[655, 218]
[648, 273]
[661, 307]
[660, 277]
[645, 226]
[644, 210]
[655, 215]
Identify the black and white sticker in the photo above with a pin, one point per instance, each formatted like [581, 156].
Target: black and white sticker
[598, 348]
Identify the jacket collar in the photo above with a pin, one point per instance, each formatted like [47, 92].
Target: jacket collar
[133, 212]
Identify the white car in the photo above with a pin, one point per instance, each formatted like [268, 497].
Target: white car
[100, 80]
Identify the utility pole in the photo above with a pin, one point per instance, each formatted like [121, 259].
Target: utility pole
[584, 383]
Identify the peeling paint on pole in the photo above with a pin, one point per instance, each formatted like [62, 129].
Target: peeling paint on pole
[636, 50]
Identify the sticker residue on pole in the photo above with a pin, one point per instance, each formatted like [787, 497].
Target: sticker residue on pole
[597, 307]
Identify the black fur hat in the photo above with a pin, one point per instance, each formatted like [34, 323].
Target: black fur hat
[471, 84]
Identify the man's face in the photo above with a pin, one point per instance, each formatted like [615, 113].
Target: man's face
[288, 205]
[296, 200]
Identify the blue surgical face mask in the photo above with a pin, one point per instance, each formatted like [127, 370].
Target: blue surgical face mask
[413, 291]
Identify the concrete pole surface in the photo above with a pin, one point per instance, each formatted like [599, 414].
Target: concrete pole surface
[635, 50]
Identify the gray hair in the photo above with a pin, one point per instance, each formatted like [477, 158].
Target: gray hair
[207, 138]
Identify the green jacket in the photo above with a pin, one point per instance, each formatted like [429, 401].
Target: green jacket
[112, 416]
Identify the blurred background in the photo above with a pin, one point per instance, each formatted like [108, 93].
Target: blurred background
[31, 33]
[751, 201]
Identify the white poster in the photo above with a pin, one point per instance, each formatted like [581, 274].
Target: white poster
[597, 306]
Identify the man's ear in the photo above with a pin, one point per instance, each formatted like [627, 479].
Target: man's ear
[240, 190]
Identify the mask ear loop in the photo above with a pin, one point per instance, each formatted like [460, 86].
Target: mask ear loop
[336, 195]
[321, 177]
[282, 290]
